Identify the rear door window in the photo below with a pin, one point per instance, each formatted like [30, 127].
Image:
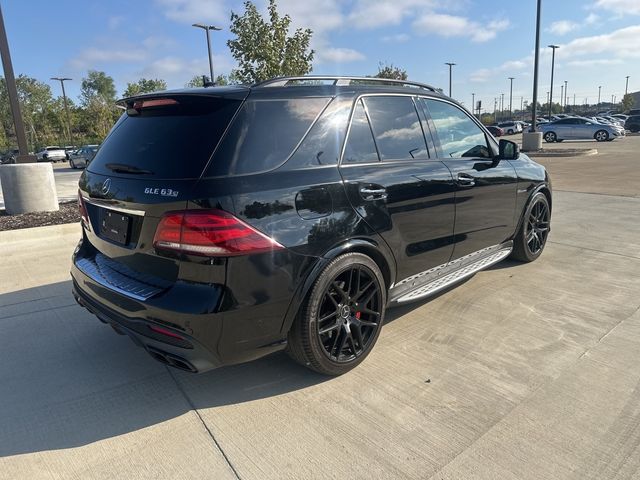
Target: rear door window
[396, 127]
[170, 139]
[360, 147]
[264, 134]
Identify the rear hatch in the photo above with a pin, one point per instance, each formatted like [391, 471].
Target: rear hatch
[146, 167]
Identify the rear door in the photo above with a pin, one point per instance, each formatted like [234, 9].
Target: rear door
[485, 187]
[396, 186]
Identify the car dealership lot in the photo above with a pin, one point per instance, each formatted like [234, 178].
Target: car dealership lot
[524, 371]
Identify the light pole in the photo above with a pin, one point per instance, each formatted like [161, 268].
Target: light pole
[613, 100]
[626, 87]
[553, 61]
[473, 104]
[66, 106]
[450, 67]
[561, 94]
[566, 95]
[207, 28]
[534, 106]
[511, 98]
[599, 89]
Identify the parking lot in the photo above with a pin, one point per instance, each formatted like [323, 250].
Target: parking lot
[523, 371]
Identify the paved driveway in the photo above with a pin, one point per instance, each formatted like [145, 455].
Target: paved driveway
[523, 372]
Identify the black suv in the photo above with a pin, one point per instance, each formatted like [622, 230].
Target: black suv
[633, 123]
[221, 224]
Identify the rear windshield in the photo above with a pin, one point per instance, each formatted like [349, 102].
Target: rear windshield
[171, 139]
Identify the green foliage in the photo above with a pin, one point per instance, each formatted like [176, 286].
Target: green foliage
[144, 85]
[391, 71]
[627, 102]
[97, 84]
[221, 80]
[264, 49]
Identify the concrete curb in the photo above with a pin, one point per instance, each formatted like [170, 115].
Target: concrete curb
[563, 153]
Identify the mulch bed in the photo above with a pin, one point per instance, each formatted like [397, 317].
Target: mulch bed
[68, 213]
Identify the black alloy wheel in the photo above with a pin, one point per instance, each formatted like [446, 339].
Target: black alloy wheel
[342, 318]
[531, 239]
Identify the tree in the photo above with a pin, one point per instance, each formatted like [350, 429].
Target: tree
[197, 81]
[627, 102]
[98, 84]
[144, 86]
[391, 71]
[264, 50]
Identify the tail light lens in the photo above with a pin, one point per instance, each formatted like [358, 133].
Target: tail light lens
[210, 233]
[84, 215]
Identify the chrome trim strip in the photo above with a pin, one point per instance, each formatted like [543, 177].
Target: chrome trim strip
[455, 276]
[105, 204]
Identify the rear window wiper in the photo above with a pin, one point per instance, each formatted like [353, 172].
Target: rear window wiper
[124, 168]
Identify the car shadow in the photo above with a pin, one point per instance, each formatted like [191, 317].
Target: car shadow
[66, 380]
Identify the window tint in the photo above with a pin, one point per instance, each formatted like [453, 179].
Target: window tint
[322, 144]
[396, 127]
[459, 135]
[360, 145]
[171, 141]
[264, 134]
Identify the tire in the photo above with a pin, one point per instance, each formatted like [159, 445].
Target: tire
[534, 230]
[601, 136]
[341, 318]
[550, 137]
[510, 132]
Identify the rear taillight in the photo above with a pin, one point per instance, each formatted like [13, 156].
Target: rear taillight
[211, 233]
[83, 210]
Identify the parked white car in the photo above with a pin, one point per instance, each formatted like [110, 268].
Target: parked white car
[51, 154]
[510, 127]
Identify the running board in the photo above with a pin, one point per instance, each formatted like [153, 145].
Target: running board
[448, 279]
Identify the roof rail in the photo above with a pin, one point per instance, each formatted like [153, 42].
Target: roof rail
[342, 81]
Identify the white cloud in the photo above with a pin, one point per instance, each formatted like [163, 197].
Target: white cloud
[115, 21]
[339, 55]
[397, 38]
[620, 43]
[92, 57]
[378, 13]
[563, 27]
[192, 11]
[177, 71]
[591, 19]
[456, 26]
[318, 15]
[622, 7]
[598, 62]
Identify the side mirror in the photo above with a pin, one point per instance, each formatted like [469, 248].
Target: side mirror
[508, 150]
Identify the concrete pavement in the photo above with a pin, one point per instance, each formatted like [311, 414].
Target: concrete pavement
[523, 371]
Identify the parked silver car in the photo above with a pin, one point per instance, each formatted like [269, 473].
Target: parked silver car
[51, 154]
[81, 157]
[575, 128]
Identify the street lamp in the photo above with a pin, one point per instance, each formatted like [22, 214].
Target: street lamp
[626, 87]
[450, 66]
[553, 61]
[566, 95]
[534, 106]
[511, 98]
[66, 106]
[207, 28]
[599, 89]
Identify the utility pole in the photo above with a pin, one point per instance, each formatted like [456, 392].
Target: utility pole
[566, 95]
[450, 67]
[207, 28]
[473, 104]
[495, 105]
[12, 92]
[501, 105]
[599, 89]
[553, 61]
[561, 94]
[66, 107]
[511, 98]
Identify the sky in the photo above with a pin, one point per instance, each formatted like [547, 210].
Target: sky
[489, 40]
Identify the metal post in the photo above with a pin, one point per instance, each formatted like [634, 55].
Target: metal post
[473, 104]
[599, 89]
[450, 67]
[207, 28]
[12, 91]
[502, 105]
[553, 61]
[626, 87]
[511, 98]
[561, 94]
[566, 94]
[66, 107]
[534, 107]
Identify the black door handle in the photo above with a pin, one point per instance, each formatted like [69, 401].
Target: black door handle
[465, 180]
[373, 192]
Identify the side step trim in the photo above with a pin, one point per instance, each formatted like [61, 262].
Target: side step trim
[449, 279]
